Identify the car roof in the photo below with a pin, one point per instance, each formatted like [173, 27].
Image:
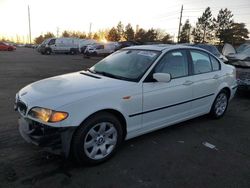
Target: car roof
[161, 47]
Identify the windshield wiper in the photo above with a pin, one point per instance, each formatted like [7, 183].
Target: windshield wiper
[102, 73]
[92, 71]
[107, 74]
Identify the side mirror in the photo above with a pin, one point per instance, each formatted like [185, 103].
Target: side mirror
[162, 77]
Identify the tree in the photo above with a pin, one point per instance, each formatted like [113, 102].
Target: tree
[113, 35]
[167, 39]
[39, 39]
[82, 35]
[160, 34]
[96, 36]
[48, 35]
[65, 34]
[237, 34]
[203, 32]
[151, 35]
[120, 30]
[140, 35]
[185, 32]
[129, 33]
[222, 23]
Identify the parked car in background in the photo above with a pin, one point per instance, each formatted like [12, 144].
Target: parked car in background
[242, 53]
[60, 45]
[133, 91]
[212, 49]
[101, 49]
[84, 43]
[4, 46]
[124, 44]
[240, 58]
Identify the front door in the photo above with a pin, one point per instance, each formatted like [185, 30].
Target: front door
[166, 103]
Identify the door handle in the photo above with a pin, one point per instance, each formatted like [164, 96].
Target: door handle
[187, 83]
[216, 76]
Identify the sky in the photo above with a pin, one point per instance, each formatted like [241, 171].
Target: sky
[48, 15]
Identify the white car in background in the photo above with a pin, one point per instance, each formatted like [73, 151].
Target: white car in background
[134, 91]
[67, 45]
[101, 49]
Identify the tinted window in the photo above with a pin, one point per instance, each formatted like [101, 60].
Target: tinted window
[100, 47]
[201, 62]
[215, 64]
[175, 63]
[52, 41]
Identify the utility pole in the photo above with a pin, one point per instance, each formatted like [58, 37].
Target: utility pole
[90, 27]
[57, 32]
[29, 23]
[179, 30]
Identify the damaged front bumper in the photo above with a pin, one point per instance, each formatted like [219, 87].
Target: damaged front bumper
[52, 139]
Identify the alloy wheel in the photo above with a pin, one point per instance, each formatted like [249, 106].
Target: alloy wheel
[100, 140]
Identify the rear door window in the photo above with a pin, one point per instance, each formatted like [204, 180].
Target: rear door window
[201, 62]
[215, 64]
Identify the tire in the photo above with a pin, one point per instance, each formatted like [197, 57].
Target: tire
[72, 52]
[220, 105]
[97, 139]
[48, 51]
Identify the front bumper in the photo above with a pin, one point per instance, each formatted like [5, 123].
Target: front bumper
[55, 140]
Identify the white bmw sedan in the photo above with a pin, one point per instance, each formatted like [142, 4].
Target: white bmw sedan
[129, 93]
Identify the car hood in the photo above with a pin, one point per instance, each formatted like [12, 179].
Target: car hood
[241, 64]
[239, 56]
[61, 90]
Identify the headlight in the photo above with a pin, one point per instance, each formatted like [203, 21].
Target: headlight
[47, 115]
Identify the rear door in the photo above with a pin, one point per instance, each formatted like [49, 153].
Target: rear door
[165, 103]
[206, 79]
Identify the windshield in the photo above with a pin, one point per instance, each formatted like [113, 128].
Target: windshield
[242, 47]
[126, 64]
[246, 51]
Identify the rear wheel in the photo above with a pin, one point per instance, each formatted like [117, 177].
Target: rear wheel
[220, 105]
[97, 139]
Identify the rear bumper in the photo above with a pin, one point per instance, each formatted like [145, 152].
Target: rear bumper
[55, 140]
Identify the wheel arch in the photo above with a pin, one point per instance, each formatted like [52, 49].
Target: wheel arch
[117, 114]
[228, 91]
[225, 87]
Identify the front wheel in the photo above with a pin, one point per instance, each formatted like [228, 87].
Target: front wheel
[97, 139]
[48, 51]
[72, 52]
[220, 105]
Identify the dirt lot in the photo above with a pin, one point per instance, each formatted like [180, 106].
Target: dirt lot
[172, 157]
